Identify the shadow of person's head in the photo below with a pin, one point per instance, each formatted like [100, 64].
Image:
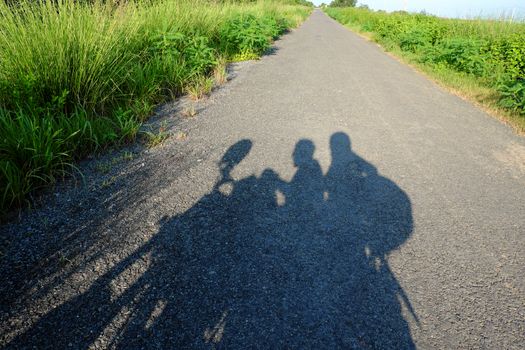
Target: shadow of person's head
[340, 146]
[233, 156]
[345, 161]
[303, 153]
[340, 141]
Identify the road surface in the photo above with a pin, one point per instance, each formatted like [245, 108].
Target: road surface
[328, 196]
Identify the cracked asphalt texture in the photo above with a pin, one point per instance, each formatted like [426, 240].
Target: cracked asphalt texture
[328, 196]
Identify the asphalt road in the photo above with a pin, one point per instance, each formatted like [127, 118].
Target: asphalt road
[328, 196]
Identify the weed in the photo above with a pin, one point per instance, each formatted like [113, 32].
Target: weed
[127, 156]
[103, 168]
[153, 139]
[189, 112]
[63, 260]
[141, 109]
[108, 182]
[220, 74]
[245, 56]
[249, 35]
[128, 125]
[181, 135]
[200, 87]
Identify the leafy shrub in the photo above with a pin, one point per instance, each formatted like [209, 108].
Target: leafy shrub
[465, 55]
[513, 93]
[245, 34]
[509, 52]
[414, 39]
[460, 54]
[194, 52]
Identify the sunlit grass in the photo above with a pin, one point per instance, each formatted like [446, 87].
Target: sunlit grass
[77, 76]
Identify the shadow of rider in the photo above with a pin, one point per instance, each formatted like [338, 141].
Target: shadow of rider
[257, 262]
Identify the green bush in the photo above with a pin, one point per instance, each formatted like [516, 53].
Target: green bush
[513, 95]
[460, 54]
[509, 53]
[245, 34]
[414, 39]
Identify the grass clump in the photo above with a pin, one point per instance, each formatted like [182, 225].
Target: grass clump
[200, 87]
[79, 76]
[482, 58]
[220, 73]
[189, 112]
[155, 138]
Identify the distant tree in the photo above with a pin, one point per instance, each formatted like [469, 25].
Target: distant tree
[300, 2]
[364, 6]
[343, 3]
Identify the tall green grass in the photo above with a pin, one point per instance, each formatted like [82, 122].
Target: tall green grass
[489, 52]
[78, 76]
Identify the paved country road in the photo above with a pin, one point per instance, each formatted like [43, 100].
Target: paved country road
[328, 196]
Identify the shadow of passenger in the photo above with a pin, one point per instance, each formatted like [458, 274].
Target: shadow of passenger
[257, 263]
[369, 217]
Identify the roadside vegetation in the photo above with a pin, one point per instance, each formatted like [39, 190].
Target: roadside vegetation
[483, 60]
[79, 76]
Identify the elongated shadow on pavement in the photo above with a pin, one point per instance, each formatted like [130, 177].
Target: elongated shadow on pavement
[258, 263]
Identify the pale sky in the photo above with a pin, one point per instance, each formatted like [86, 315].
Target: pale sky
[450, 8]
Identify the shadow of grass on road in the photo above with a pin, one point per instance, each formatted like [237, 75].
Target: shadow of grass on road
[257, 262]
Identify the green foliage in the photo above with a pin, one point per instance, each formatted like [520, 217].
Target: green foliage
[513, 93]
[414, 39]
[79, 76]
[509, 52]
[250, 36]
[300, 2]
[491, 51]
[343, 3]
[194, 52]
[461, 54]
[34, 150]
[243, 34]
